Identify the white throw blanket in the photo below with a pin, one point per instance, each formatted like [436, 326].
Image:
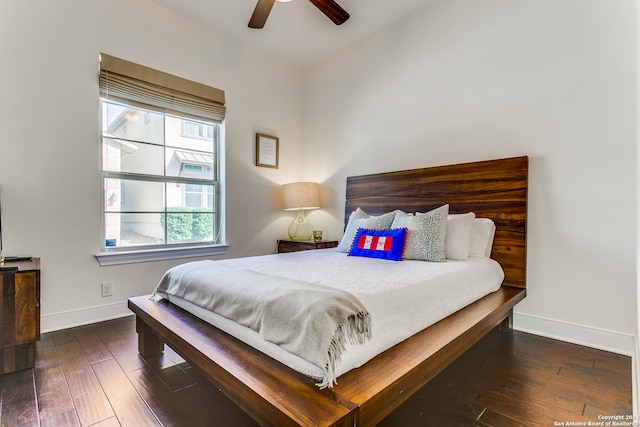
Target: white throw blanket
[312, 321]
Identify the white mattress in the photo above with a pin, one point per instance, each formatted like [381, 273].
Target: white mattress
[402, 297]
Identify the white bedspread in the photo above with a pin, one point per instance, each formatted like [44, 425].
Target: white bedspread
[402, 297]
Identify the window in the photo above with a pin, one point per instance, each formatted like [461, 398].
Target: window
[193, 195]
[192, 129]
[160, 163]
[192, 170]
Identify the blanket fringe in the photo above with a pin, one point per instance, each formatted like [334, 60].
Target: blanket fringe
[356, 330]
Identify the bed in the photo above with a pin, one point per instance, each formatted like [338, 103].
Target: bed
[274, 394]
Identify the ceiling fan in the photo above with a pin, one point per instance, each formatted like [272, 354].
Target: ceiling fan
[329, 7]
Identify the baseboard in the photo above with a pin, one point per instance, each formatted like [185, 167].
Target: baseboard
[578, 334]
[601, 339]
[83, 316]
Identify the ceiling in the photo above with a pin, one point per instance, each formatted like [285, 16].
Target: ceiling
[296, 32]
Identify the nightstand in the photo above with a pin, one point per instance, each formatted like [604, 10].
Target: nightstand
[286, 245]
[19, 314]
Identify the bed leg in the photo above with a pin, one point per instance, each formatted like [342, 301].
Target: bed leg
[149, 343]
[507, 324]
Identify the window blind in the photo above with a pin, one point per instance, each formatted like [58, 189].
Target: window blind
[148, 88]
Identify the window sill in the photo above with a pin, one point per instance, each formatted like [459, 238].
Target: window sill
[132, 257]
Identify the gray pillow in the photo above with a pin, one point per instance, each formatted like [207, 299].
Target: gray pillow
[426, 234]
[360, 219]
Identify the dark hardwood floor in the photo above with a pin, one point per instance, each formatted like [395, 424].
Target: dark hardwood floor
[93, 376]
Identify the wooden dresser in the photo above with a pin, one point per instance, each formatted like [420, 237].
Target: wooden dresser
[19, 314]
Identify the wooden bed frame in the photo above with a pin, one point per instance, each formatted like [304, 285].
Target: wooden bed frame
[274, 394]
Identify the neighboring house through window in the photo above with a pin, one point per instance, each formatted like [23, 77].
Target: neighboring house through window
[160, 165]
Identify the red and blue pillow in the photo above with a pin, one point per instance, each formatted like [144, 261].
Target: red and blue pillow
[385, 244]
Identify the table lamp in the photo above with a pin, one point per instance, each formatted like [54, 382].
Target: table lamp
[301, 196]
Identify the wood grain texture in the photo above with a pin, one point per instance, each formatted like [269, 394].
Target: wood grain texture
[270, 392]
[18, 307]
[127, 403]
[517, 379]
[494, 189]
[332, 10]
[27, 308]
[506, 379]
[261, 13]
[19, 316]
[17, 395]
[285, 246]
[273, 394]
[386, 381]
[88, 397]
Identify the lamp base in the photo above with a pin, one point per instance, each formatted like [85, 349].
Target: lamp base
[300, 229]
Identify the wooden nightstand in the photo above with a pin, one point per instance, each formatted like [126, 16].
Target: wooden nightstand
[286, 245]
[19, 314]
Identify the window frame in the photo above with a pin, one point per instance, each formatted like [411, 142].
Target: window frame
[211, 111]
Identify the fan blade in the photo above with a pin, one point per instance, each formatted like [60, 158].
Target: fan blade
[261, 13]
[332, 9]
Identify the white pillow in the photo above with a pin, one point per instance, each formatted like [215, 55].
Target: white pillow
[458, 240]
[360, 219]
[482, 235]
[425, 234]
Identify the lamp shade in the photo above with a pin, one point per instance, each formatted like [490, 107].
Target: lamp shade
[301, 195]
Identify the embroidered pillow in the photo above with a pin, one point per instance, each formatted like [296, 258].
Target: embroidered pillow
[426, 234]
[385, 244]
[360, 219]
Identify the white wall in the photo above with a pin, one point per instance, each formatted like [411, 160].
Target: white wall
[466, 80]
[636, 364]
[461, 80]
[49, 146]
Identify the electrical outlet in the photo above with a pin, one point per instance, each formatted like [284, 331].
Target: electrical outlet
[107, 289]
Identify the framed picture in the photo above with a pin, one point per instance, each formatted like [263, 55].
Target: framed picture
[267, 150]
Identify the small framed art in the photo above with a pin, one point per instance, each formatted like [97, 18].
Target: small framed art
[267, 150]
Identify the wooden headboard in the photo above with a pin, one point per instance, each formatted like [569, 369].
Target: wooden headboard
[495, 189]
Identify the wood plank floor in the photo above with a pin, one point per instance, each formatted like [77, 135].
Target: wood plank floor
[93, 376]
